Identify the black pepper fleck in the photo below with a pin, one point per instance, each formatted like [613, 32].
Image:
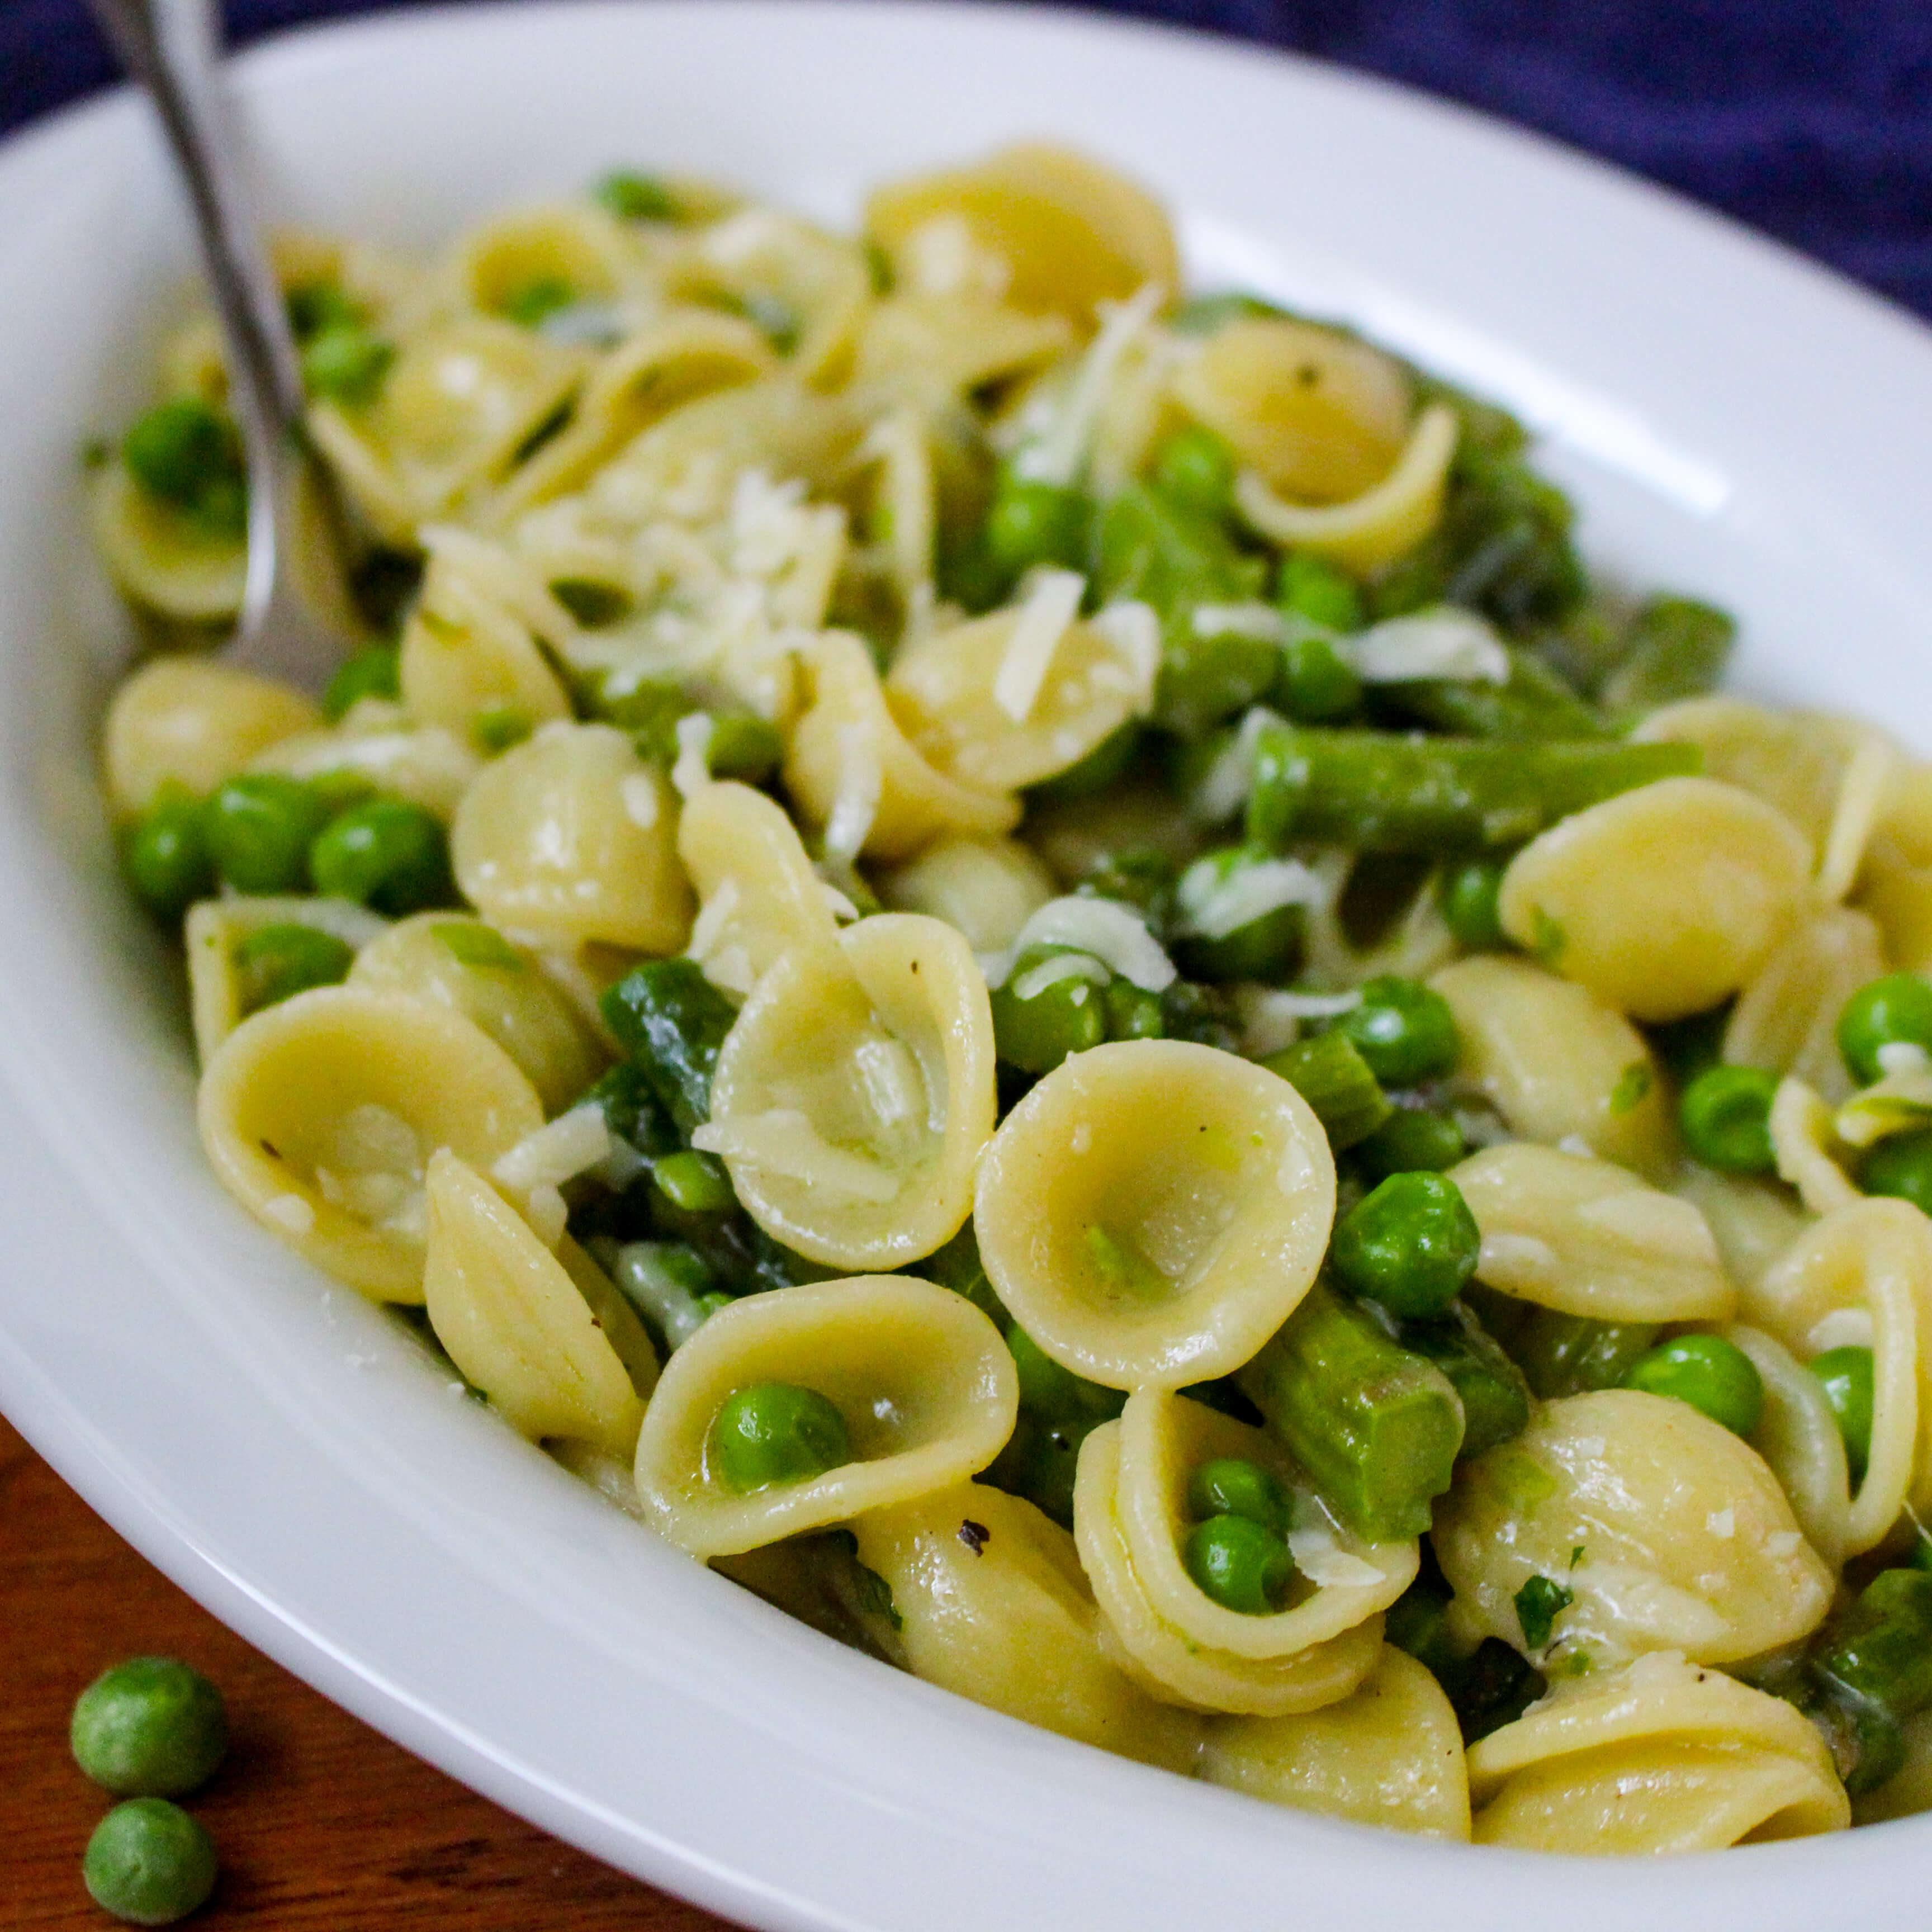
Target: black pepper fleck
[976, 1536]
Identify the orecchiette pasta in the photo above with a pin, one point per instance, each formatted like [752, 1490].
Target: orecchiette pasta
[853, 1096]
[1662, 1757]
[857, 777]
[462, 964]
[574, 838]
[1154, 1211]
[993, 1605]
[190, 722]
[515, 1321]
[942, 750]
[927, 1391]
[1557, 1063]
[319, 1116]
[1662, 902]
[1668, 1533]
[1862, 1277]
[216, 927]
[1389, 1753]
[1587, 1237]
[1130, 1519]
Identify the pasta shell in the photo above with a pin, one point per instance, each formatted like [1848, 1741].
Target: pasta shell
[854, 1094]
[1670, 1533]
[1390, 1753]
[1662, 1757]
[1154, 1211]
[926, 1387]
[1662, 902]
[194, 721]
[515, 1322]
[573, 837]
[320, 1115]
[1587, 1237]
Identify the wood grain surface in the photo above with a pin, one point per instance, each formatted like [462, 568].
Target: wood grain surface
[322, 1825]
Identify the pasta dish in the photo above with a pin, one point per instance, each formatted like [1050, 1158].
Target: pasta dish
[1023, 956]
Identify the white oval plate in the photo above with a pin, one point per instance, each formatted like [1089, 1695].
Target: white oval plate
[1735, 423]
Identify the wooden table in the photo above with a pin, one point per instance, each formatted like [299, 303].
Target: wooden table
[322, 1825]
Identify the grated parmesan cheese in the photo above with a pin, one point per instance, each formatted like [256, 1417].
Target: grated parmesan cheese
[1059, 454]
[1446, 643]
[1052, 600]
[692, 771]
[856, 804]
[783, 1142]
[639, 793]
[1218, 902]
[1059, 966]
[1230, 779]
[1113, 933]
[1133, 629]
[557, 1152]
[1324, 1561]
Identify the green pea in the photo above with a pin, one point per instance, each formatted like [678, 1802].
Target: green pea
[347, 363]
[1242, 1565]
[275, 962]
[1412, 1140]
[1310, 586]
[164, 855]
[149, 1728]
[635, 197]
[595, 604]
[314, 307]
[149, 1863]
[1195, 469]
[1725, 1116]
[1316, 684]
[1900, 1165]
[1847, 1374]
[500, 727]
[1467, 891]
[187, 454]
[1033, 523]
[260, 826]
[1132, 1012]
[1038, 1020]
[1895, 1011]
[530, 305]
[743, 746]
[1405, 1031]
[695, 1182]
[1106, 764]
[1267, 947]
[1410, 1244]
[1714, 1376]
[776, 1434]
[1233, 1486]
[375, 672]
[388, 853]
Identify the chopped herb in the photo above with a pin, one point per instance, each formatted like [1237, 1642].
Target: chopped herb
[1575, 1556]
[1537, 1605]
[595, 606]
[631, 196]
[552, 426]
[477, 945]
[536, 300]
[1632, 1090]
[503, 725]
[1547, 938]
[875, 1596]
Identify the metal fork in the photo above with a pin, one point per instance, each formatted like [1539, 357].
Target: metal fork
[172, 48]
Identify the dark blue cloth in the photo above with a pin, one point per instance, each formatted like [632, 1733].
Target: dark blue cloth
[1811, 119]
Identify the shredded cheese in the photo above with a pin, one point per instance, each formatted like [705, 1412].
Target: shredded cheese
[1113, 933]
[1448, 643]
[1052, 600]
[1217, 902]
[556, 1153]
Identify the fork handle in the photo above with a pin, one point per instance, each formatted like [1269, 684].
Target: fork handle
[172, 48]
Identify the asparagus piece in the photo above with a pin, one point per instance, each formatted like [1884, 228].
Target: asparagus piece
[1494, 1395]
[1676, 648]
[1376, 1425]
[1331, 1075]
[672, 1021]
[1881, 1650]
[1381, 792]
[1534, 704]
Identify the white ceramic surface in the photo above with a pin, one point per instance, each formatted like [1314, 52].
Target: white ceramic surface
[1736, 424]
